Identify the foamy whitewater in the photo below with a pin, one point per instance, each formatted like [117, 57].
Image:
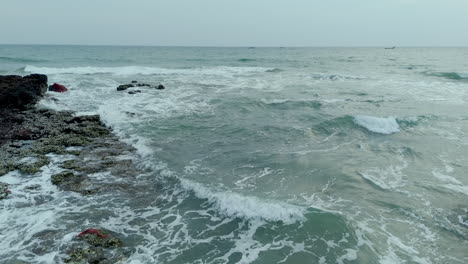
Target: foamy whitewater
[265, 155]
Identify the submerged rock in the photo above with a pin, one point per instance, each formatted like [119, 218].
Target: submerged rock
[124, 87]
[96, 246]
[100, 238]
[134, 92]
[21, 92]
[70, 181]
[4, 192]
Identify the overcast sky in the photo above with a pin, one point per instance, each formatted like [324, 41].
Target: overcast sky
[236, 22]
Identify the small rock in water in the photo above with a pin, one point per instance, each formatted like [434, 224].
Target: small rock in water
[124, 87]
[57, 88]
[134, 92]
[134, 81]
[160, 87]
[143, 84]
[96, 246]
[4, 192]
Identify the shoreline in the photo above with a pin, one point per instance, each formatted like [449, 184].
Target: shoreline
[34, 140]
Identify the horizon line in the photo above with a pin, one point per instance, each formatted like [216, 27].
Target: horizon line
[228, 46]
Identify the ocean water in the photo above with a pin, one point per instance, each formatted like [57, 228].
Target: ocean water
[260, 155]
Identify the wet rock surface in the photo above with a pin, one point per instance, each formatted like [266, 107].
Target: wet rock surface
[80, 153]
[21, 92]
[96, 246]
[4, 190]
[85, 138]
[124, 87]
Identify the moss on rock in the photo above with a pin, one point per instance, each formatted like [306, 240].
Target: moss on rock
[62, 178]
[4, 192]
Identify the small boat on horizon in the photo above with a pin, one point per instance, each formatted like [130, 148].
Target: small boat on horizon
[391, 47]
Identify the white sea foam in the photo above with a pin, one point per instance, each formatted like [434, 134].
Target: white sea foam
[382, 125]
[458, 188]
[389, 178]
[135, 70]
[445, 178]
[237, 205]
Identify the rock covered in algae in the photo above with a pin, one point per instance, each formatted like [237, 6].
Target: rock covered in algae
[4, 192]
[96, 246]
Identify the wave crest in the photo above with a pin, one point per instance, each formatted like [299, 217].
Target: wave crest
[237, 205]
[381, 125]
[141, 70]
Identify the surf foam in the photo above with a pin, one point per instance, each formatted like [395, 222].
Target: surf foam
[237, 205]
[134, 70]
[381, 125]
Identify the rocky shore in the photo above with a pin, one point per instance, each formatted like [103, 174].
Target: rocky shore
[28, 138]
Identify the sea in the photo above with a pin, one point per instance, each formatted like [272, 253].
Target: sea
[259, 155]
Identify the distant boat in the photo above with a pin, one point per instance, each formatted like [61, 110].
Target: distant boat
[391, 47]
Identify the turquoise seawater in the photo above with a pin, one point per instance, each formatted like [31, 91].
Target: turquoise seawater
[264, 155]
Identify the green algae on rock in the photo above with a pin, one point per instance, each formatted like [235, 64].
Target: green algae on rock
[4, 192]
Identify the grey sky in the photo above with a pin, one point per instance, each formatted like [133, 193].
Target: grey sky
[236, 23]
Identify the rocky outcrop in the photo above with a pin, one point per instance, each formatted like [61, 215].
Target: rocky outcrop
[21, 92]
[96, 246]
[124, 87]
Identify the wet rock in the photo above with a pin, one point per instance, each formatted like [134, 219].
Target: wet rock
[6, 167]
[57, 88]
[96, 246]
[100, 238]
[33, 187]
[134, 81]
[134, 92]
[4, 192]
[85, 255]
[62, 178]
[143, 84]
[21, 92]
[33, 167]
[86, 118]
[124, 87]
[70, 181]
[160, 87]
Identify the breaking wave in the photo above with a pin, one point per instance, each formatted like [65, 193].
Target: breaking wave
[334, 77]
[236, 205]
[140, 70]
[381, 125]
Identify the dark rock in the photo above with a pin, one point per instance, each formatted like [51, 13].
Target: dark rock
[33, 187]
[4, 192]
[134, 81]
[143, 84]
[20, 92]
[160, 87]
[134, 92]
[124, 87]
